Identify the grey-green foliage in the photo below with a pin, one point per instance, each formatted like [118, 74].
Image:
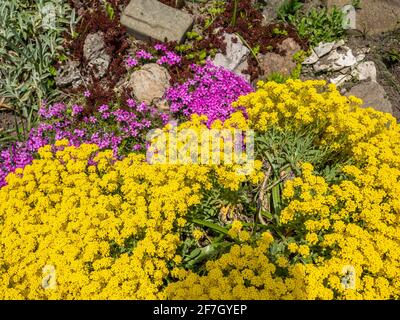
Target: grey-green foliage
[30, 40]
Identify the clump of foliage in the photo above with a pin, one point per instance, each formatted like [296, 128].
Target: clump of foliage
[317, 25]
[31, 39]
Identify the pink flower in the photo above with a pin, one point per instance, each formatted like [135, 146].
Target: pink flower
[160, 47]
[142, 54]
[87, 94]
[131, 62]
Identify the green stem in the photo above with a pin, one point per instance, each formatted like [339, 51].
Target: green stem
[234, 16]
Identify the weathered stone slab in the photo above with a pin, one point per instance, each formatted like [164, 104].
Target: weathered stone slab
[153, 19]
[373, 95]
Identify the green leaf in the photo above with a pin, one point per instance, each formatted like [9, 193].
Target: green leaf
[210, 225]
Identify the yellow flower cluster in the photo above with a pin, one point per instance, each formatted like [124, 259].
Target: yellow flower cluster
[347, 234]
[220, 147]
[70, 230]
[316, 106]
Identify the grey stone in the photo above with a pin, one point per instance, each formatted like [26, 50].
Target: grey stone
[350, 17]
[153, 19]
[94, 52]
[69, 74]
[336, 60]
[365, 71]
[340, 79]
[149, 83]
[313, 58]
[236, 55]
[324, 48]
[374, 16]
[373, 95]
[94, 45]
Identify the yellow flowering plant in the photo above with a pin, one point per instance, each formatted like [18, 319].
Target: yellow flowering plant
[317, 218]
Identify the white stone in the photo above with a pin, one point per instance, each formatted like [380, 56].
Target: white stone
[323, 48]
[365, 71]
[346, 59]
[313, 58]
[349, 19]
[236, 54]
[340, 79]
[339, 44]
[319, 67]
[360, 57]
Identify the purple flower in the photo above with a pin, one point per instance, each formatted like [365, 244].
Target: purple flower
[142, 54]
[131, 103]
[160, 47]
[104, 108]
[211, 92]
[141, 107]
[76, 110]
[131, 62]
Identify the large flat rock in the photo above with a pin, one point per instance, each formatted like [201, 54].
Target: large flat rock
[375, 16]
[153, 19]
[373, 95]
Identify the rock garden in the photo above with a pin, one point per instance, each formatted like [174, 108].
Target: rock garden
[108, 190]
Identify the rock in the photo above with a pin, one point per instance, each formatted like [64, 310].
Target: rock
[350, 17]
[289, 46]
[274, 63]
[236, 55]
[365, 71]
[313, 58]
[360, 57]
[339, 44]
[69, 74]
[374, 16]
[270, 11]
[93, 46]
[346, 59]
[149, 83]
[95, 53]
[340, 79]
[336, 60]
[153, 19]
[323, 48]
[373, 95]
[162, 105]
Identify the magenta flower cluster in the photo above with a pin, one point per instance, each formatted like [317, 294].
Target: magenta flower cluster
[160, 55]
[210, 93]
